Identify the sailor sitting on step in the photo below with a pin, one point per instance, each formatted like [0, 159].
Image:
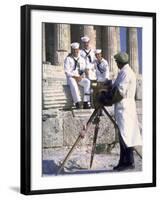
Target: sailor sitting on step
[88, 54]
[74, 67]
[101, 66]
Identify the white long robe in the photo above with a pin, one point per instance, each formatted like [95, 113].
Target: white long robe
[125, 110]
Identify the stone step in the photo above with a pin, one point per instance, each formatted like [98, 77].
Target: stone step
[62, 101]
[52, 84]
[57, 101]
[58, 106]
[56, 92]
[52, 94]
[49, 100]
[82, 112]
[50, 112]
[54, 87]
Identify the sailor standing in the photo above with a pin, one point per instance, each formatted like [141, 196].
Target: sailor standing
[74, 67]
[101, 66]
[88, 54]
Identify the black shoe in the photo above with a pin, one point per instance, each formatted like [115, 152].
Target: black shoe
[78, 105]
[118, 166]
[122, 167]
[86, 105]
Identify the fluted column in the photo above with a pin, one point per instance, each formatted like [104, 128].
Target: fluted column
[118, 39]
[61, 42]
[132, 48]
[78, 31]
[111, 45]
[91, 33]
[43, 44]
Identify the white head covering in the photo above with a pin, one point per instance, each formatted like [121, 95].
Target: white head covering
[75, 45]
[97, 51]
[85, 39]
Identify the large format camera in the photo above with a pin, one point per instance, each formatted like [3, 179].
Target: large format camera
[99, 92]
[104, 94]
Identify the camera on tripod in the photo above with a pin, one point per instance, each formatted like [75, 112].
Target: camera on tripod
[100, 93]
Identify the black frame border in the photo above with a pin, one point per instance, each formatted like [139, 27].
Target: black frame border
[25, 146]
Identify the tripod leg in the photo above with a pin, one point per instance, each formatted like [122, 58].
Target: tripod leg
[71, 150]
[110, 117]
[94, 141]
[138, 151]
[77, 141]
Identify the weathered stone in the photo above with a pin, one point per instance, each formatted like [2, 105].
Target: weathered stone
[74, 125]
[43, 43]
[51, 113]
[79, 161]
[52, 132]
[111, 46]
[132, 48]
[139, 88]
[61, 42]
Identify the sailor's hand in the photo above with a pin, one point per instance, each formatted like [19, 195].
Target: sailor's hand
[87, 72]
[78, 78]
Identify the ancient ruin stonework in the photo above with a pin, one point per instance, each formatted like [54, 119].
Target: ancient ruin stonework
[61, 126]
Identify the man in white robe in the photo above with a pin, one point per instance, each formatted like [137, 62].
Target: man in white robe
[123, 96]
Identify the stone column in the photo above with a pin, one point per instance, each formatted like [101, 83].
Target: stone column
[132, 48]
[49, 29]
[98, 37]
[91, 33]
[61, 43]
[78, 31]
[118, 39]
[43, 44]
[111, 45]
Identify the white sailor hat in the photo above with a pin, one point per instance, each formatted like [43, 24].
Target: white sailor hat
[85, 39]
[97, 51]
[75, 45]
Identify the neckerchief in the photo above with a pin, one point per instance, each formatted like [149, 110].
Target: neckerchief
[87, 55]
[99, 67]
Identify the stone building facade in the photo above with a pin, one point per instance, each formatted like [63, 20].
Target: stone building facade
[58, 37]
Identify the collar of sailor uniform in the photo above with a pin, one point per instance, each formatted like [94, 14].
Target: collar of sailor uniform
[87, 50]
[76, 58]
[99, 61]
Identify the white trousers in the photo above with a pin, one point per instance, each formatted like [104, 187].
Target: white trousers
[85, 83]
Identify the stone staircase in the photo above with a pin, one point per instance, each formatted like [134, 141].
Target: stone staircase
[56, 92]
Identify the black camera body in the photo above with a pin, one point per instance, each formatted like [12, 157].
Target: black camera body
[99, 90]
[104, 94]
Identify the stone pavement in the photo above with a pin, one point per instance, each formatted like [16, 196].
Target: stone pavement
[78, 163]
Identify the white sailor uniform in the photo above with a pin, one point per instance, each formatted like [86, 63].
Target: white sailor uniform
[89, 56]
[75, 67]
[102, 70]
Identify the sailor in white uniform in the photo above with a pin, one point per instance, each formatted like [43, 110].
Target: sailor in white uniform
[75, 68]
[88, 54]
[101, 67]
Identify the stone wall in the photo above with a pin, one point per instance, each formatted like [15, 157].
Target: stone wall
[61, 128]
